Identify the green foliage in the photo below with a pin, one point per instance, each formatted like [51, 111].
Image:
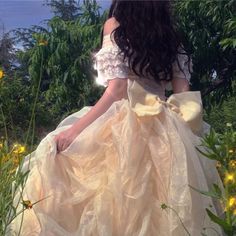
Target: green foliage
[67, 46]
[13, 168]
[220, 114]
[66, 10]
[10, 160]
[16, 99]
[230, 31]
[67, 76]
[222, 148]
[7, 52]
[225, 226]
[209, 29]
[215, 191]
[67, 81]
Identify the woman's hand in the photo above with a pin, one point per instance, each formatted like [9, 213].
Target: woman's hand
[64, 139]
[116, 90]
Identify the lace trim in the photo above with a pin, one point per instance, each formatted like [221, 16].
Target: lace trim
[109, 64]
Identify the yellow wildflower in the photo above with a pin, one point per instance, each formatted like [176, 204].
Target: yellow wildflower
[18, 149]
[231, 151]
[232, 201]
[1, 145]
[234, 211]
[43, 42]
[1, 74]
[22, 149]
[229, 177]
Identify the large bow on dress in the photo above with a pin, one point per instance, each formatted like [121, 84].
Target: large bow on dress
[187, 105]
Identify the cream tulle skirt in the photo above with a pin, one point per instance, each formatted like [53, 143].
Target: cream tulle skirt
[115, 175]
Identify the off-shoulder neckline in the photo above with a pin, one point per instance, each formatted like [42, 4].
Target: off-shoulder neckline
[107, 35]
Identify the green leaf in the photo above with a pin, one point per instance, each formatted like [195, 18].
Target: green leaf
[227, 228]
[234, 43]
[65, 76]
[211, 193]
[209, 155]
[217, 190]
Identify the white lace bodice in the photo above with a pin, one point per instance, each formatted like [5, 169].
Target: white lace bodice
[109, 65]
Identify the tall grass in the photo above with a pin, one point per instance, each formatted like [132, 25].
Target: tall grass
[13, 177]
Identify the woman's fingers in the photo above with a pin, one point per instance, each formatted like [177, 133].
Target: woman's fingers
[58, 143]
[62, 144]
[64, 139]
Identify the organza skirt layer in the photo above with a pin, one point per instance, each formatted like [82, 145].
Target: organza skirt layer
[115, 175]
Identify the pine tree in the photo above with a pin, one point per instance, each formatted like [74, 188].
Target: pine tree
[65, 9]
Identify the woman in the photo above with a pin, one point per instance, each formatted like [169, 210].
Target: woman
[110, 169]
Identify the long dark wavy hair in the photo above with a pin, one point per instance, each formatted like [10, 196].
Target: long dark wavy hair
[147, 36]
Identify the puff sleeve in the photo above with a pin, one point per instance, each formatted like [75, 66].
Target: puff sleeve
[109, 62]
[177, 73]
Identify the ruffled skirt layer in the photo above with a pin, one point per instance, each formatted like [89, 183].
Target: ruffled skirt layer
[114, 177]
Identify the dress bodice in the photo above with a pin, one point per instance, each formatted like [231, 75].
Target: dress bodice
[110, 65]
[148, 85]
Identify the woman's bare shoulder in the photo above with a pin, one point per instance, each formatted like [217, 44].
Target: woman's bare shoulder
[110, 25]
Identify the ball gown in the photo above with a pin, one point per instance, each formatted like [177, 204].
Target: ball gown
[118, 172]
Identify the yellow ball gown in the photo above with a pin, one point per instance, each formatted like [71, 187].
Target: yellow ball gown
[114, 177]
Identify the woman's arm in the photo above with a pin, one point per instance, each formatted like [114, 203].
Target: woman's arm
[180, 85]
[116, 90]
[181, 79]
